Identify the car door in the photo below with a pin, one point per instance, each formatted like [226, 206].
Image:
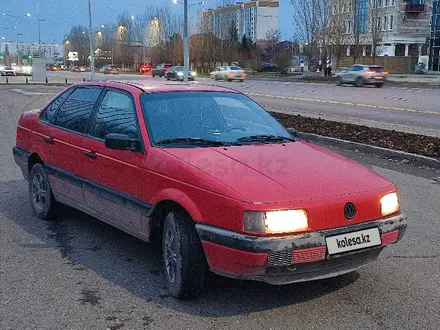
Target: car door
[114, 190]
[66, 170]
[54, 144]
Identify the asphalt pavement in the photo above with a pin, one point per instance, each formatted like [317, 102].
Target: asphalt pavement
[79, 273]
[402, 108]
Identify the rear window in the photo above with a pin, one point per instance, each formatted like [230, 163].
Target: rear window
[376, 68]
[235, 68]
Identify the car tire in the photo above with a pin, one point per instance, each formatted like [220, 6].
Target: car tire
[359, 82]
[241, 80]
[379, 85]
[42, 199]
[340, 82]
[153, 75]
[168, 78]
[183, 256]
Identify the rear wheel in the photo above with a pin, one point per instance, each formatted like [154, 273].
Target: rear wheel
[43, 202]
[359, 82]
[183, 256]
[379, 85]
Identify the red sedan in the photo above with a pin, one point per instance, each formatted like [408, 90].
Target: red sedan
[146, 68]
[210, 174]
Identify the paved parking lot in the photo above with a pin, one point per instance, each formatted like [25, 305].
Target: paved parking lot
[78, 273]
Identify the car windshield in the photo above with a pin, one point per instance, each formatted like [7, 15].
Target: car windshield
[178, 68]
[235, 68]
[194, 119]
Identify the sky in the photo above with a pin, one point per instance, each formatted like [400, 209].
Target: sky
[60, 15]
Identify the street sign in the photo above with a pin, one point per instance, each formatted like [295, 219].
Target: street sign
[72, 56]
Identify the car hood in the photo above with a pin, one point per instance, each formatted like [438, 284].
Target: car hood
[282, 172]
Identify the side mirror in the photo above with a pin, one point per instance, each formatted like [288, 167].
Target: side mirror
[293, 132]
[122, 142]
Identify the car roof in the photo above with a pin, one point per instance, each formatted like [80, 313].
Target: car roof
[154, 86]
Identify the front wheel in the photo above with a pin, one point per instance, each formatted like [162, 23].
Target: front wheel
[183, 256]
[43, 202]
[379, 85]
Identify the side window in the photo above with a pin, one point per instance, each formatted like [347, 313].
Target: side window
[48, 113]
[116, 114]
[75, 112]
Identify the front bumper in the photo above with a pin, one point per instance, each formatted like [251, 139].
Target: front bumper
[271, 259]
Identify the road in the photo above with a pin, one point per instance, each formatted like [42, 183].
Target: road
[78, 273]
[407, 109]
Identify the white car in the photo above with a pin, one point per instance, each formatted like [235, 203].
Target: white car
[228, 73]
[8, 71]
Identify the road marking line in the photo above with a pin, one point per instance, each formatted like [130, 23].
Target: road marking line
[294, 98]
[20, 91]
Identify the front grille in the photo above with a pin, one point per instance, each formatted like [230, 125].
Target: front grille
[279, 258]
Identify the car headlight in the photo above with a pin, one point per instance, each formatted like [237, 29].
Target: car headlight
[389, 204]
[193, 73]
[275, 222]
[180, 73]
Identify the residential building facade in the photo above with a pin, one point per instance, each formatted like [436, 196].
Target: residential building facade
[48, 50]
[404, 25]
[434, 49]
[253, 19]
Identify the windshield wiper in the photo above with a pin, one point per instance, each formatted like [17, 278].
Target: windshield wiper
[265, 138]
[197, 141]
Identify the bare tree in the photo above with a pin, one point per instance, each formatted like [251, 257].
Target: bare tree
[309, 23]
[338, 28]
[378, 27]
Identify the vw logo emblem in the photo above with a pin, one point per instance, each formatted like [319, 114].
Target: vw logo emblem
[349, 211]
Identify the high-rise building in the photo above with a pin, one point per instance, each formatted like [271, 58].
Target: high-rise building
[254, 19]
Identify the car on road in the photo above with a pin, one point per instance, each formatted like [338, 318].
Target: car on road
[177, 73]
[360, 75]
[8, 71]
[211, 175]
[268, 67]
[145, 68]
[110, 69]
[228, 73]
[161, 70]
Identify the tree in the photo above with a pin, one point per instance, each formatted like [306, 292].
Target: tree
[79, 42]
[232, 43]
[339, 26]
[377, 28]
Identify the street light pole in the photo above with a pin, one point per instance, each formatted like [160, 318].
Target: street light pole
[92, 55]
[185, 41]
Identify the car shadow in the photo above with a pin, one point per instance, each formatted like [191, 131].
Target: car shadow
[89, 244]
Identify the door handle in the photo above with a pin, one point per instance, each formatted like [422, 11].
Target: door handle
[90, 154]
[49, 140]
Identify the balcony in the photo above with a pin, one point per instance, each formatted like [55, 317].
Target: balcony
[415, 8]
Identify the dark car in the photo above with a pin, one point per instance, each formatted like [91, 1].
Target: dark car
[268, 67]
[209, 173]
[161, 70]
[177, 73]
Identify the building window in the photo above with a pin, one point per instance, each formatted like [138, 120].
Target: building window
[385, 23]
[391, 22]
[392, 3]
[379, 23]
[386, 3]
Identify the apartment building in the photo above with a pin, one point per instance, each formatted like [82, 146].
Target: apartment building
[405, 25]
[48, 50]
[434, 49]
[254, 19]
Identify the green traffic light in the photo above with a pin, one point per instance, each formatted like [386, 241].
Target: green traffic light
[30, 57]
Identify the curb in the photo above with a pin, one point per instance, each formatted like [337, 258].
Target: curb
[404, 157]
